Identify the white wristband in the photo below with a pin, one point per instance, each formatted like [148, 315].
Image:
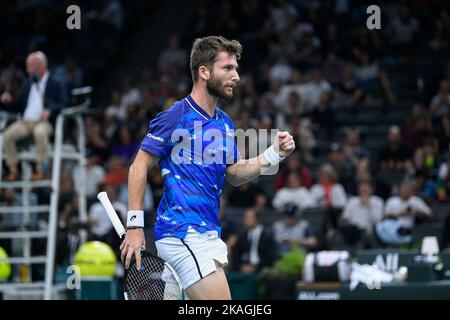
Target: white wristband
[135, 219]
[272, 156]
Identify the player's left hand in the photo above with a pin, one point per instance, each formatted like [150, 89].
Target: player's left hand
[284, 143]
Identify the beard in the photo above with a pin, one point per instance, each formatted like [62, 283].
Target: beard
[216, 89]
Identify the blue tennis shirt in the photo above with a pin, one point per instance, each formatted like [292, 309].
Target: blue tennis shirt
[194, 150]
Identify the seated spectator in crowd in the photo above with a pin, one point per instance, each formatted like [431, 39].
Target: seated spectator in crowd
[418, 129]
[440, 103]
[334, 69]
[425, 186]
[342, 164]
[406, 207]
[291, 231]
[395, 155]
[101, 227]
[353, 150]
[329, 194]
[124, 145]
[324, 116]
[314, 89]
[443, 181]
[382, 92]
[293, 193]
[360, 217]
[293, 164]
[69, 73]
[172, 56]
[95, 141]
[349, 91]
[255, 248]
[444, 135]
[95, 173]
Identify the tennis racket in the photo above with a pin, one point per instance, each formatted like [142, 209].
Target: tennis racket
[156, 280]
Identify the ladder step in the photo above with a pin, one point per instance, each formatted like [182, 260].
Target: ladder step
[20, 285]
[30, 209]
[25, 184]
[30, 260]
[23, 234]
[31, 156]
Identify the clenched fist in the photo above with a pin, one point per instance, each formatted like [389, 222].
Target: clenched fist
[284, 143]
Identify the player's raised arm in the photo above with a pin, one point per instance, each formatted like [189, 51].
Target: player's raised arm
[246, 170]
[137, 179]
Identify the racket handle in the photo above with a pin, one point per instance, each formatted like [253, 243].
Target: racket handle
[117, 224]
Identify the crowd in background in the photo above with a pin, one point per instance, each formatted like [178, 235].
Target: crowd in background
[305, 64]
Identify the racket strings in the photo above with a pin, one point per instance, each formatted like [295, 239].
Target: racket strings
[154, 282]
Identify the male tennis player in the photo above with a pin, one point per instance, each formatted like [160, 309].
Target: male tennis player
[187, 229]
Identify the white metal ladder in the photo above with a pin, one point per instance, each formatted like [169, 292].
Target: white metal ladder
[59, 152]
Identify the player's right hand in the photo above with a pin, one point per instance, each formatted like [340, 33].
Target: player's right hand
[133, 243]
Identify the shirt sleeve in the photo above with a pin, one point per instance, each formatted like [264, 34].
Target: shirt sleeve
[157, 141]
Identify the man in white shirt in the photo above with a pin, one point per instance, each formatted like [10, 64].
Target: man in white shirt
[361, 215]
[293, 193]
[406, 207]
[41, 97]
[291, 231]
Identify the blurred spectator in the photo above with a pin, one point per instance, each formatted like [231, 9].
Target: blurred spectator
[349, 92]
[440, 103]
[334, 69]
[124, 145]
[324, 115]
[95, 141]
[100, 223]
[10, 76]
[343, 166]
[130, 97]
[314, 89]
[69, 73]
[115, 171]
[293, 193]
[95, 173]
[403, 28]
[424, 186]
[367, 69]
[291, 231]
[443, 181]
[383, 91]
[293, 164]
[360, 217]
[395, 155]
[418, 129]
[444, 135]
[353, 150]
[327, 193]
[173, 56]
[406, 207]
[255, 248]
